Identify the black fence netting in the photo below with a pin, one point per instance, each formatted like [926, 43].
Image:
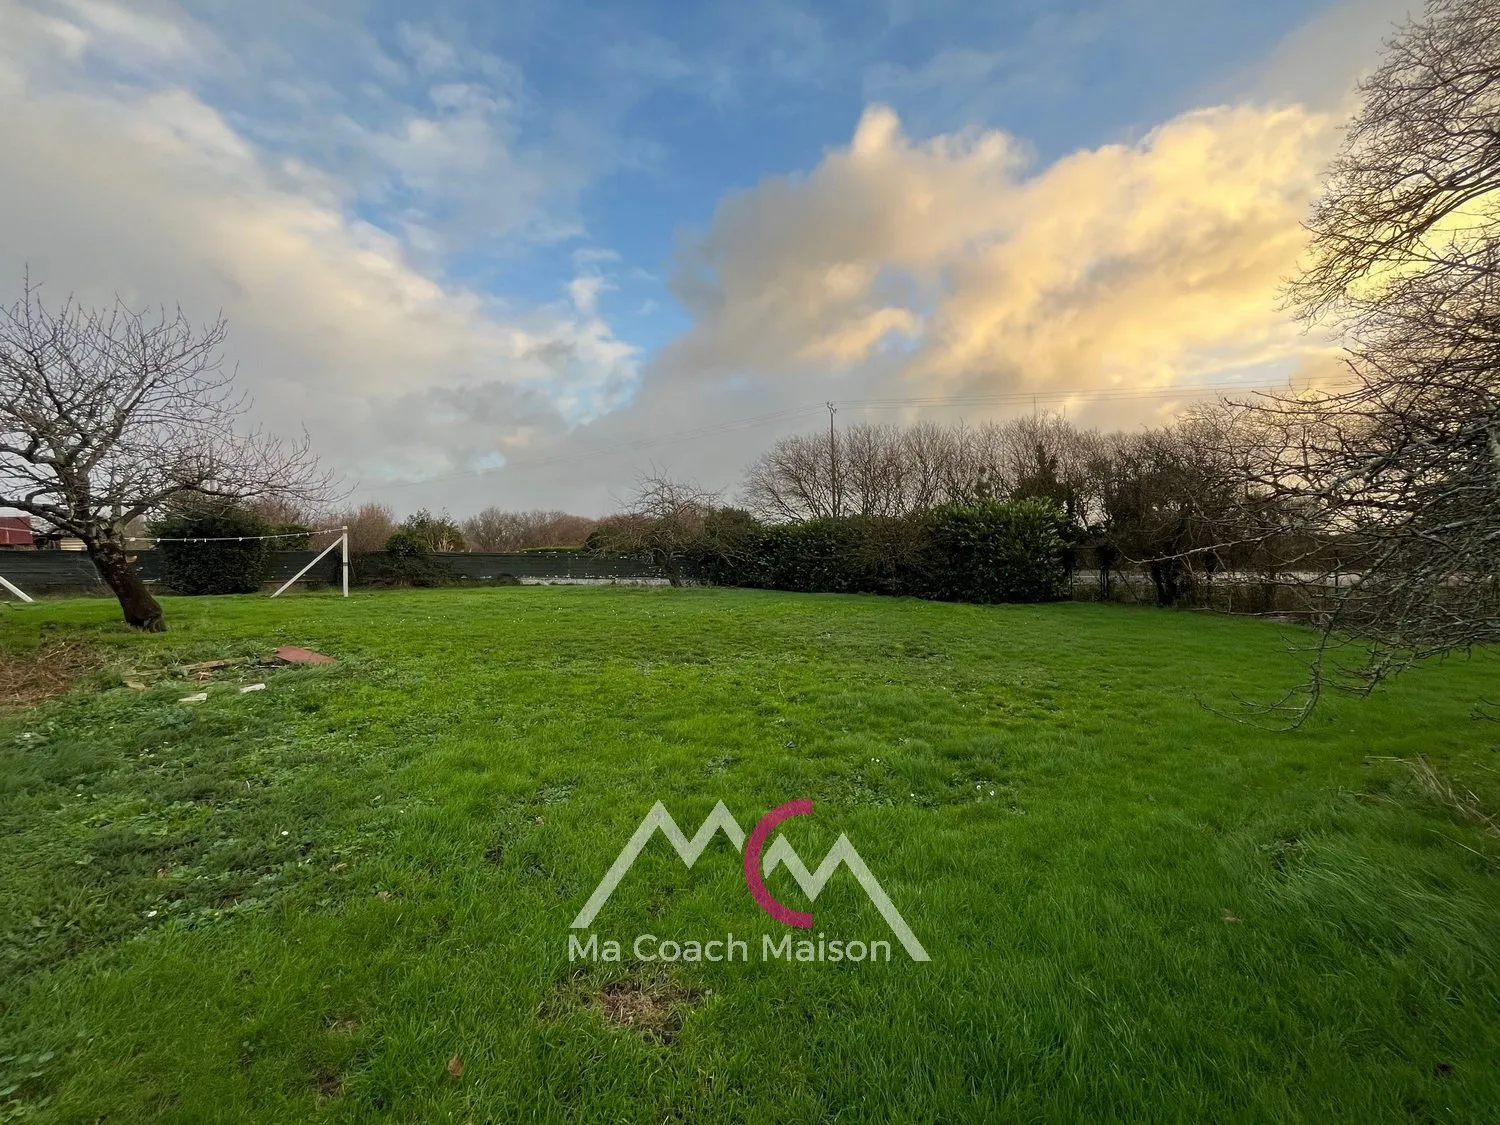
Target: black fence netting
[54, 571]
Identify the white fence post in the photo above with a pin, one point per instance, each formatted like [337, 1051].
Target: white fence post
[16, 590]
[344, 539]
[321, 555]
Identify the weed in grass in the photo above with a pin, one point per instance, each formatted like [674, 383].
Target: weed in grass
[1462, 802]
[719, 765]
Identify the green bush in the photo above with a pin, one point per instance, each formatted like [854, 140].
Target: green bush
[840, 556]
[237, 567]
[406, 561]
[406, 545]
[725, 551]
[293, 537]
[989, 551]
[996, 551]
[435, 533]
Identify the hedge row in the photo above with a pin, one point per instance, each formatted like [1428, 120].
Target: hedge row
[227, 564]
[993, 551]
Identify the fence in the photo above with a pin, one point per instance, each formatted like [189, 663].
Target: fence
[55, 571]
[51, 572]
[1291, 595]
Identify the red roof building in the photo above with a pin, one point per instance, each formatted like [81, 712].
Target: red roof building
[15, 531]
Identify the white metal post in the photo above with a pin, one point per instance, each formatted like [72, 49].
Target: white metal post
[344, 539]
[321, 556]
[16, 590]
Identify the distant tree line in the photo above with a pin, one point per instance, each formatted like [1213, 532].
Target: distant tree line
[495, 529]
[374, 527]
[1155, 497]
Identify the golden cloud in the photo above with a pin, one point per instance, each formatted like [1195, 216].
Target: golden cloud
[1151, 263]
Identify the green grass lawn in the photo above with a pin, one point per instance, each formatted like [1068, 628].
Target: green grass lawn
[302, 903]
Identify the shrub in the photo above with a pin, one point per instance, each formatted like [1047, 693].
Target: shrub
[838, 556]
[996, 551]
[406, 561]
[294, 537]
[436, 533]
[389, 568]
[237, 567]
[406, 545]
[989, 551]
[725, 550]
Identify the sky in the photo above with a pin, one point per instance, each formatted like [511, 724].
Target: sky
[520, 254]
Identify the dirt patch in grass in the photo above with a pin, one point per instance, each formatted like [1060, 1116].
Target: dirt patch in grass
[652, 1009]
[327, 1084]
[653, 1006]
[29, 676]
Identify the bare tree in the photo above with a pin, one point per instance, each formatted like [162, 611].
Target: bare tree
[370, 525]
[867, 470]
[1397, 477]
[1167, 496]
[278, 510]
[874, 477]
[888, 470]
[666, 519]
[495, 529]
[793, 480]
[108, 415]
[937, 469]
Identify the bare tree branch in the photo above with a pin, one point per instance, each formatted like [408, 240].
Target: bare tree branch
[107, 415]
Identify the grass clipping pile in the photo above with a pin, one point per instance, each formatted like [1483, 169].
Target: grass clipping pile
[34, 675]
[29, 676]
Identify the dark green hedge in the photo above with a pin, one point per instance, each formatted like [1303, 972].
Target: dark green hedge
[235, 567]
[997, 551]
[399, 567]
[992, 551]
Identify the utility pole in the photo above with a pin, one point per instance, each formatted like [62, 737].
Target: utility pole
[833, 462]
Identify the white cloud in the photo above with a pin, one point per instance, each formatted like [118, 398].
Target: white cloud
[115, 29]
[899, 269]
[1318, 62]
[149, 192]
[1150, 263]
[898, 266]
[430, 53]
[584, 292]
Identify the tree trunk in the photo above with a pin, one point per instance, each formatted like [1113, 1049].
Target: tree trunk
[140, 608]
[1104, 558]
[1164, 576]
[668, 562]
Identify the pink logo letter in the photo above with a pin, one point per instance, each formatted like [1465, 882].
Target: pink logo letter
[753, 879]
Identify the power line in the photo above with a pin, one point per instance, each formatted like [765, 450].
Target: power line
[994, 398]
[618, 447]
[999, 398]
